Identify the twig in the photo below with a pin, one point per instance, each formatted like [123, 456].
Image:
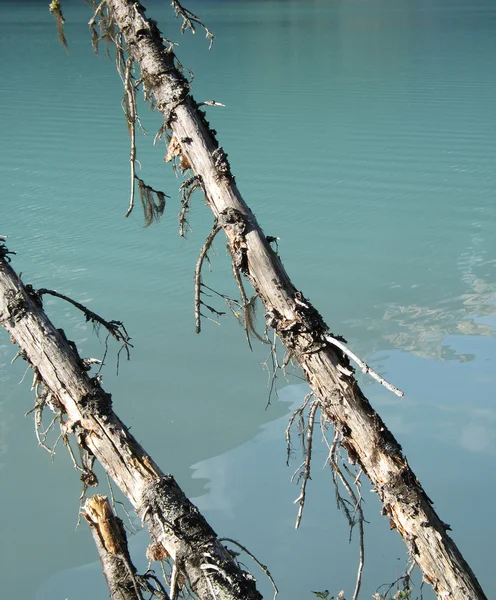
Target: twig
[129, 107]
[158, 592]
[65, 439]
[189, 19]
[45, 433]
[91, 24]
[42, 399]
[405, 579]
[203, 252]
[262, 566]
[244, 300]
[114, 508]
[297, 413]
[357, 507]
[98, 11]
[115, 328]
[88, 478]
[273, 369]
[187, 188]
[4, 251]
[211, 103]
[293, 477]
[248, 307]
[364, 366]
[308, 461]
[117, 39]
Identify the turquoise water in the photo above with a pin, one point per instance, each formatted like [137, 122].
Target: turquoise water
[363, 135]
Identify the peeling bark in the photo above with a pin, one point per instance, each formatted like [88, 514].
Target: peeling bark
[174, 523]
[294, 319]
[111, 542]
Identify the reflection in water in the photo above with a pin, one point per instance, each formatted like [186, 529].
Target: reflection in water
[249, 497]
[422, 328]
[87, 581]
[472, 427]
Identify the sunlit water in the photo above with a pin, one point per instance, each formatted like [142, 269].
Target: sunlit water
[362, 134]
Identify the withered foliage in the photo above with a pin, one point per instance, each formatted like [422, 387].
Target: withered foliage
[153, 202]
[56, 10]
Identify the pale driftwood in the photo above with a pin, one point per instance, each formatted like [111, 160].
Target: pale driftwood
[111, 542]
[295, 321]
[61, 379]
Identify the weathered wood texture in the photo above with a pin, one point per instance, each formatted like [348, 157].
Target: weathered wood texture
[111, 542]
[172, 520]
[295, 321]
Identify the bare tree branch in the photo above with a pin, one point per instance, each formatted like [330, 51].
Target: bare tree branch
[198, 282]
[365, 368]
[189, 20]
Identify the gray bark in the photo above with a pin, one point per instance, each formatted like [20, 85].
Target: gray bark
[296, 322]
[172, 520]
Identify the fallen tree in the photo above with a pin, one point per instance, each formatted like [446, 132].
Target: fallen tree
[61, 380]
[322, 356]
[62, 383]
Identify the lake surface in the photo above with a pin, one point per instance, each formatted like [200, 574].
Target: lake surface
[363, 135]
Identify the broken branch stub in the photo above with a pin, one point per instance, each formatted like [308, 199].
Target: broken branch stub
[294, 319]
[111, 542]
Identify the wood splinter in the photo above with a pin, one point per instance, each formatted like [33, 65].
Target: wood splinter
[110, 539]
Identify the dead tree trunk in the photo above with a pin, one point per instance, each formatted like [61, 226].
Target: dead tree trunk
[111, 542]
[289, 314]
[61, 381]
